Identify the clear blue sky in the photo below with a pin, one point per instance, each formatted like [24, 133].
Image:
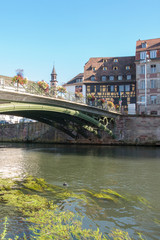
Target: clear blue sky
[35, 34]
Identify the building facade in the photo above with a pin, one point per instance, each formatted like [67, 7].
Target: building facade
[148, 76]
[76, 84]
[112, 78]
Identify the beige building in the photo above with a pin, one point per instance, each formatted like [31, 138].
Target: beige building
[148, 76]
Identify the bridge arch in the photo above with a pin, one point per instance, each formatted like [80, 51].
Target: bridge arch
[54, 115]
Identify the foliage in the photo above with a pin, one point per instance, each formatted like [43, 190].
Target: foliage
[117, 106]
[91, 97]
[19, 79]
[78, 94]
[43, 85]
[102, 100]
[110, 104]
[46, 220]
[61, 89]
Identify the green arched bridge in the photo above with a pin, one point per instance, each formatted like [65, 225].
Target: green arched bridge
[69, 117]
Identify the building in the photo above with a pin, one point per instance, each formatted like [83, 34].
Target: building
[148, 76]
[76, 85]
[111, 78]
[53, 82]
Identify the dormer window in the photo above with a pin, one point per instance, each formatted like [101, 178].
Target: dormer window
[93, 78]
[115, 68]
[120, 77]
[104, 60]
[111, 78]
[93, 68]
[104, 78]
[144, 45]
[129, 77]
[128, 67]
[115, 60]
[105, 68]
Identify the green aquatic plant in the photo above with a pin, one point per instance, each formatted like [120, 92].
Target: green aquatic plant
[144, 201]
[4, 233]
[6, 184]
[114, 193]
[103, 195]
[157, 221]
[60, 225]
[37, 184]
[118, 234]
[45, 218]
[26, 203]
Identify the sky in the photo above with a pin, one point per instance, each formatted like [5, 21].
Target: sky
[37, 34]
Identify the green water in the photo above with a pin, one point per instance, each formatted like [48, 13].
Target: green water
[131, 171]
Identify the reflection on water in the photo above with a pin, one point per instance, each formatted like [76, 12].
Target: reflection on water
[127, 170]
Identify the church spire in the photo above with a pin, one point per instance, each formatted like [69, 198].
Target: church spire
[53, 81]
[53, 71]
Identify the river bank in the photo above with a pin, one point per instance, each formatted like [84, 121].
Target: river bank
[128, 130]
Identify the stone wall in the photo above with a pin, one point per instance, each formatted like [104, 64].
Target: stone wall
[134, 130]
[138, 130]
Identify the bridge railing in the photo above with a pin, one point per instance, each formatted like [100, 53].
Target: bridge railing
[33, 88]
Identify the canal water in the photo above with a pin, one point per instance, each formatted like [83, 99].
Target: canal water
[130, 171]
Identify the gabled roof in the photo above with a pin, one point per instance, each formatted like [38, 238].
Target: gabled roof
[109, 63]
[151, 44]
[73, 80]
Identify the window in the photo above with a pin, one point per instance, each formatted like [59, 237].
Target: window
[104, 78]
[153, 112]
[142, 98]
[142, 55]
[105, 68]
[92, 88]
[115, 60]
[115, 68]
[129, 77]
[120, 77]
[78, 88]
[127, 88]
[104, 60]
[153, 83]
[93, 78]
[153, 54]
[93, 68]
[121, 88]
[128, 67]
[143, 69]
[111, 78]
[97, 88]
[132, 99]
[112, 88]
[79, 80]
[144, 45]
[142, 84]
[153, 99]
[2, 81]
[153, 68]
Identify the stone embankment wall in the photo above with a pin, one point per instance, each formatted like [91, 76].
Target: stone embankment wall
[138, 130]
[134, 130]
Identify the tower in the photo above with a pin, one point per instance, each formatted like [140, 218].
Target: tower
[53, 82]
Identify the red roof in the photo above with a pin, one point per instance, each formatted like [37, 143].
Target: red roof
[151, 44]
